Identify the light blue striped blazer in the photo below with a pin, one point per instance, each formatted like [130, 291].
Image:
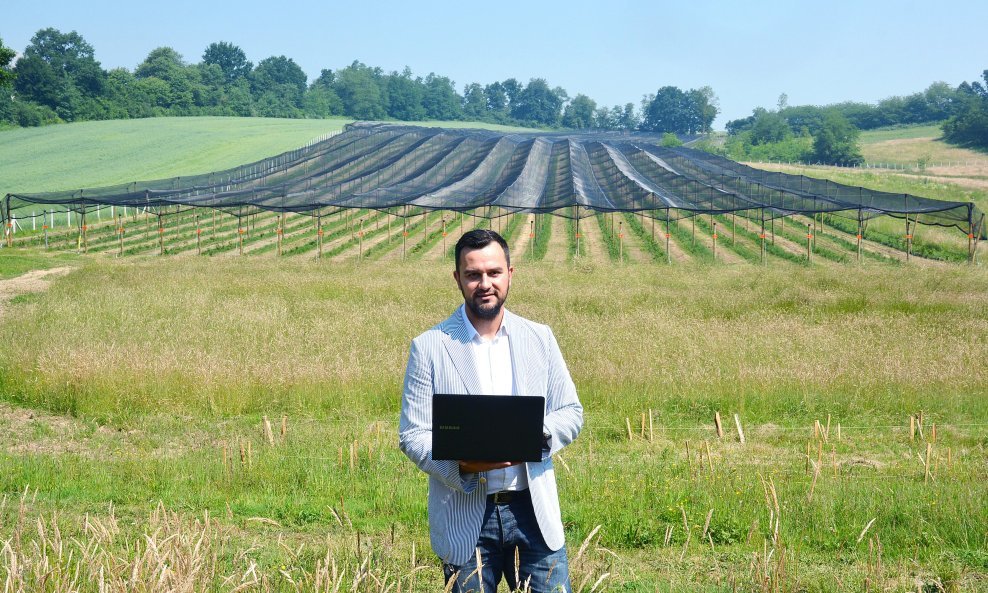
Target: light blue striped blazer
[439, 362]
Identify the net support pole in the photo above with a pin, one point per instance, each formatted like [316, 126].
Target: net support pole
[809, 241]
[977, 238]
[909, 239]
[85, 229]
[714, 238]
[198, 237]
[161, 234]
[668, 235]
[734, 227]
[860, 231]
[970, 231]
[577, 254]
[621, 241]
[761, 236]
[44, 227]
[319, 232]
[119, 236]
[9, 226]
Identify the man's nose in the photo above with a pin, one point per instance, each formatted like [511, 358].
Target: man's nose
[485, 281]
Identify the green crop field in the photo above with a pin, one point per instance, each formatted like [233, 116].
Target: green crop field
[214, 422]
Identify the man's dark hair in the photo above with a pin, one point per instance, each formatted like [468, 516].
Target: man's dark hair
[478, 239]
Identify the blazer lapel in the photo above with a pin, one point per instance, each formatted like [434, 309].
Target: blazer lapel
[456, 340]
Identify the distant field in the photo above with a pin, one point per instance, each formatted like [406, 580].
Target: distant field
[92, 154]
[912, 145]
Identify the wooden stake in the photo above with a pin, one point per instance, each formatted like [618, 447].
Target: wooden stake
[838, 432]
[284, 427]
[826, 433]
[737, 422]
[833, 459]
[627, 422]
[912, 427]
[268, 433]
[651, 435]
[717, 424]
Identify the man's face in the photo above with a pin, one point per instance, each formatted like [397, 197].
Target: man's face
[484, 278]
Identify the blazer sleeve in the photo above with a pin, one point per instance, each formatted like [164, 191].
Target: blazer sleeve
[564, 413]
[415, 423]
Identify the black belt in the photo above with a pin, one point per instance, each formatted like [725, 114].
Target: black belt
[508, 496]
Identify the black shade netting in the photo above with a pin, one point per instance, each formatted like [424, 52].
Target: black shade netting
[406, 170]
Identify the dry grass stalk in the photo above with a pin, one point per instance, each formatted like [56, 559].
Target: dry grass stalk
[929, 453]
[706, 524]
[865, 530]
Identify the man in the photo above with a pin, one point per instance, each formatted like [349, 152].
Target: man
[504, 515]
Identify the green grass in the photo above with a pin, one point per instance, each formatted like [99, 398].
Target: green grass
[98, 153]
[16, 262]
[913, 144]
[900, 133]
[132, 400]
[91, 154]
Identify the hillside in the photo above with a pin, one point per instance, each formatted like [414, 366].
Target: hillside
[96, 153]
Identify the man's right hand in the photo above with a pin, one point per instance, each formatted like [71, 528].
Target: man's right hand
[472, 467]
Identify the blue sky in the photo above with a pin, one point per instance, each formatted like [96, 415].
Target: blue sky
[614, 51]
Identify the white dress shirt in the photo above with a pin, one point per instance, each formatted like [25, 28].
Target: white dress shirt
[493, 361]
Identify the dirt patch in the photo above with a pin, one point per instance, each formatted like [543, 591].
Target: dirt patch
[33, 281]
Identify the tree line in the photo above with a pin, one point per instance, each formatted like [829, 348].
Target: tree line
[828, 134]
[968, 125]
[58, 79]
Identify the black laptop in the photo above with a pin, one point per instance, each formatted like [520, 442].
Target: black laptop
[487, 427]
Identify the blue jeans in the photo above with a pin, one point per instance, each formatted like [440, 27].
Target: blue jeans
[507, 528]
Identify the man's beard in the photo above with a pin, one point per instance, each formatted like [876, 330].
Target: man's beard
[486, 312]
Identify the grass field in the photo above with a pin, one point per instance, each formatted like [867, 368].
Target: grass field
[914, 144]
[112, 397]
[134, 393]
[91, 154]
